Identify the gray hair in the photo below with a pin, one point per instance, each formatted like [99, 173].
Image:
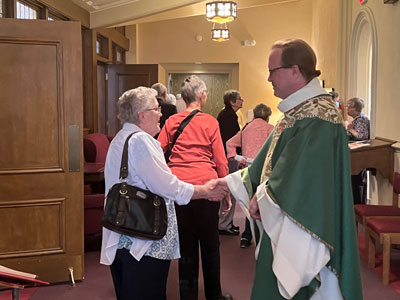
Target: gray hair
[160, 88]
[171, 99]
[262, 111]
[357, 103]
[231, 95]
[191, 88]
[132, 102]
[334, 95]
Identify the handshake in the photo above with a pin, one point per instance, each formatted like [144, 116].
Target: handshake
[215, 190]
[218, 190]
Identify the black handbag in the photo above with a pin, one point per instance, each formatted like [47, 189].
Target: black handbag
[178, 132]
[133, 211]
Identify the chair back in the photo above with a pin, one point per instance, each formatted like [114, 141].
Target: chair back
[95, 147]
[396, 189]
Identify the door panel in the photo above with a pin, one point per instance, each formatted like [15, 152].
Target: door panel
[21, 59]
[120, 79]
[41, 188]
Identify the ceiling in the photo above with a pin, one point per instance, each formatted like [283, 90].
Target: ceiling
[112, 13]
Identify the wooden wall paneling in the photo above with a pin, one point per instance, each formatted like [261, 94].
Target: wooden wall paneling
[9, 8]
[101, 98]
[115, 36]
[94, 83]
[88, 53]
[70, 10]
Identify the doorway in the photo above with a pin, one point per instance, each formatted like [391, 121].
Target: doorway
[218, 78]
[216, 84]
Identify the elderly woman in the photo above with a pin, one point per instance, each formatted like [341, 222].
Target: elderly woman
[358, 130]
[250, 139]
[140, 267]
[252, 136]
[196, 157]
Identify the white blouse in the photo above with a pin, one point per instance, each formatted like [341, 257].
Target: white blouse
[147, 170]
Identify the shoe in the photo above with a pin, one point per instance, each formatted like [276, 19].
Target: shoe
[229, 231]
[244, 243]
[235, 228]
[227, 297]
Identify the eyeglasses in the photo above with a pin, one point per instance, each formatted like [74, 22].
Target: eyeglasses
[276, 69]
[155, 109]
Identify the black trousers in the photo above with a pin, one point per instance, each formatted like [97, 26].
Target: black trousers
[139, 280]
[198, 225]
[359, 185]
[247, 230]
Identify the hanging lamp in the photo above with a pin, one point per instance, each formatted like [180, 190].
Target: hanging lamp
[221, 11]
[220, 34]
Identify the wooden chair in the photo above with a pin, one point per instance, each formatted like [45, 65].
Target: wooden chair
[387, 233]
[382, 229]
[364, 212]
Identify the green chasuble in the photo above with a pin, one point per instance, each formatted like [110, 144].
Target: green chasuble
[305, 165]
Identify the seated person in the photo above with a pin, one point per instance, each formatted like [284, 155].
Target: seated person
[358, 130]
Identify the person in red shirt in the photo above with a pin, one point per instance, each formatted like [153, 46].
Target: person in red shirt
[197, 156]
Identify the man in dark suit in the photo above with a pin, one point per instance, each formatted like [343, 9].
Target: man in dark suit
[167, 109]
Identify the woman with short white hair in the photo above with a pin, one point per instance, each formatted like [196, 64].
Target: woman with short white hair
[140, 267]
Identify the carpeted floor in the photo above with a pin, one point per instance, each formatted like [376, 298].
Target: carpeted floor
[237, 273]
[394, 279]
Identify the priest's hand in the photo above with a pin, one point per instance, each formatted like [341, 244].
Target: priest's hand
[226, 205]
[254, 210]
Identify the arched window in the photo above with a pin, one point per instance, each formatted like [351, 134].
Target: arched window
[363, 62]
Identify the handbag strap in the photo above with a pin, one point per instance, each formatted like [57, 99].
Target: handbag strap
[123, 172]
[183, 125]
[241, 134]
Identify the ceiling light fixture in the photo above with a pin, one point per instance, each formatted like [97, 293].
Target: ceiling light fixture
[221, 11]
[220, 34]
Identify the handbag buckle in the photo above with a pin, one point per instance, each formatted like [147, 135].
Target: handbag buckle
[156, 202]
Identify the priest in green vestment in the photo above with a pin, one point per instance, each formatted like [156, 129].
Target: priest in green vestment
[298, 190]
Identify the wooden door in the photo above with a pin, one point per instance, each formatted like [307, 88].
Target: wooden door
[121, 78]
[41, 179]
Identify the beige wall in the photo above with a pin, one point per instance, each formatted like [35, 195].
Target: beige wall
[130, 32]
[387, 19]
[325, 39]
[174, 42]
